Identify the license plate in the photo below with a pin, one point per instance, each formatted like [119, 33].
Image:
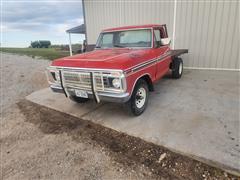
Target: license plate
[81, 93]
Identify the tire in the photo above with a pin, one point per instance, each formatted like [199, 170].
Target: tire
[78, 99]
[135, 105]
[177, 68]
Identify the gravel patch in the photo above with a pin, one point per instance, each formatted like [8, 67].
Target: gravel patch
[20, 76]
[27, 152]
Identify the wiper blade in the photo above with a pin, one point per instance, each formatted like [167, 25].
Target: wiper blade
[117, 45]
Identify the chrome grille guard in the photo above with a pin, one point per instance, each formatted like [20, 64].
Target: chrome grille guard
[91, 81]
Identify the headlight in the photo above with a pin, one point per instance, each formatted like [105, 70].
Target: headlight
[57, 76]
[53, 75]
[116, 83]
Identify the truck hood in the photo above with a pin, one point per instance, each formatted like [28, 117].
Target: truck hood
[116, 58]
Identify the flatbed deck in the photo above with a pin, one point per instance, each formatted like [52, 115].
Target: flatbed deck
[178, 52]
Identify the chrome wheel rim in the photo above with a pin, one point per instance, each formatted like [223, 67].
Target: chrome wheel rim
[140, 97]
[180, 68]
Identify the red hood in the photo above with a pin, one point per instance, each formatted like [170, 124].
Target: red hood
[106, 59]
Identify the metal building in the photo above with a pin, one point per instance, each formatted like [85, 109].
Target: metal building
[209, 29]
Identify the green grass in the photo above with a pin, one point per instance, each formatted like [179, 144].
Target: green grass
[46, 53]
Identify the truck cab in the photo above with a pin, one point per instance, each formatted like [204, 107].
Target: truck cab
[123, 67]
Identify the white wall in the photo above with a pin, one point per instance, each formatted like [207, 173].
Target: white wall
[209, 29]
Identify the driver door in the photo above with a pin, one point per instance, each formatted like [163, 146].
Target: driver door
[162, 65]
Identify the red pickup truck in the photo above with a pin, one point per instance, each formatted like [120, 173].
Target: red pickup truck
[123, 67]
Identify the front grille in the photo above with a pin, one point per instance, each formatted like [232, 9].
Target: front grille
[71, 77]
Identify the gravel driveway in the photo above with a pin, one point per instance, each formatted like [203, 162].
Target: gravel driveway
[28, 153]
[20, 75]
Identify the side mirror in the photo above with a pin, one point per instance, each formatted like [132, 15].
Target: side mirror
[165, 41]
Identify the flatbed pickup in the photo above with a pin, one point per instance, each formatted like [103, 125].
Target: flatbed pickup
[123, 67]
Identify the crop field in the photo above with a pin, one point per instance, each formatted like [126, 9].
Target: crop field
[46, 53]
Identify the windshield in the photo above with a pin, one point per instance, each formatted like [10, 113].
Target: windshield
[129, 39]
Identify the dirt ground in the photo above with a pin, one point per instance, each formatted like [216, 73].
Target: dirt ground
[40, 143]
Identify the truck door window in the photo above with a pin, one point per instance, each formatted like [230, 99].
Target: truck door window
[157, 37]
[159, 34]
[163, 32]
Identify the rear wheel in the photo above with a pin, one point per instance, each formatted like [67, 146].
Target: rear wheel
[78, 99]
[139, 99]
[177, 68]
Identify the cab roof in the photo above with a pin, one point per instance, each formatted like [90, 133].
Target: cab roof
[133, 27]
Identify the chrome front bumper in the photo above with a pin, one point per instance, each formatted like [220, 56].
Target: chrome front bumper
[103, 96]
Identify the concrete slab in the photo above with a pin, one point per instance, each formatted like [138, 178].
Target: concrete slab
[59, 102]
[197, 115]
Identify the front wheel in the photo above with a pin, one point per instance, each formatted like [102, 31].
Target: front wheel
[139, 99]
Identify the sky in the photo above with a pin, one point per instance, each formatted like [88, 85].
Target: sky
[23, 21]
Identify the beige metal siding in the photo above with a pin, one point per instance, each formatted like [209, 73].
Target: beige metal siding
[106, 14]
[209, 29]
